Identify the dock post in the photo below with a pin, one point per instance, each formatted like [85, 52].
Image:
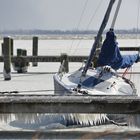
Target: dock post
[2, 49]
[64, 58]
[35, 49]
[24, 52]
[7, 58]
[19, 52]
[12, 46]
[21, 64]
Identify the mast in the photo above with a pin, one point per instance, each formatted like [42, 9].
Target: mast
[102, 27]
[116, 14]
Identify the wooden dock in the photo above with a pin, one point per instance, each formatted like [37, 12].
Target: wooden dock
[69, 104]
[74, 133]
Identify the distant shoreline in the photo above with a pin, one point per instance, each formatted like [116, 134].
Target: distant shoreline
[68, 36]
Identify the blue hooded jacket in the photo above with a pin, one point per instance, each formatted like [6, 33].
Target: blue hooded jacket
[110, 54]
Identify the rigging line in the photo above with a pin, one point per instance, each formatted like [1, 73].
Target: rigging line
[130, 77]
[83, 11]
[91, 19]
[138, 16]
[82, 14]
[93, 16]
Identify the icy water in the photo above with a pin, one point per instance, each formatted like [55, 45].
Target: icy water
[44, 73]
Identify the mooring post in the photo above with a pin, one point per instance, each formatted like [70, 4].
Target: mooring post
[65, 61]
[2, 49]
[12, 46]
[26, 62]
[35, 49]
[21, 64]
[24, 52]
[19, 52]
[7, 58]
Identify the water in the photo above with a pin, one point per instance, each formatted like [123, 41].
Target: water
[29, 81]
[72, 47]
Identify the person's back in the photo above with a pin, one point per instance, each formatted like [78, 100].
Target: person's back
[110, 54]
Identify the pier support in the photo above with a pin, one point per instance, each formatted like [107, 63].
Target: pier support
[65, 62]
[19, 52]
[24, 52]
[21, 64]
[2, 49]
[7, 58]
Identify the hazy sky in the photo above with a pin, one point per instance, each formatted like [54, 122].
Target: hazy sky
[63, 14]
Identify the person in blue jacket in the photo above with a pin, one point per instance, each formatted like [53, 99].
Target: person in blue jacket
[110, 54]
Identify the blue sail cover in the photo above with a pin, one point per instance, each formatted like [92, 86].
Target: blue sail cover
[110, 54]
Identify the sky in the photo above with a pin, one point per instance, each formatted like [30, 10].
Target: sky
[64, 14]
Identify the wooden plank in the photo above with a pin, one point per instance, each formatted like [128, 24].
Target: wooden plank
[69, 104]
[79, 134]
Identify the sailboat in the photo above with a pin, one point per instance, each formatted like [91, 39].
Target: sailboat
[90, 80]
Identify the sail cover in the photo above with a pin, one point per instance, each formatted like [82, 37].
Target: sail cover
[110, 54]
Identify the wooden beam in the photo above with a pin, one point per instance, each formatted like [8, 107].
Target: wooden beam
[130, 48]
[58, 58]
[73, 133]
[48, 58]
[69, 104]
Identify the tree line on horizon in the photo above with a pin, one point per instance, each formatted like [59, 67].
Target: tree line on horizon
[66, 32]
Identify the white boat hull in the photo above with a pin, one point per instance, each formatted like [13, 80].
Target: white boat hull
[67, 84]
[93, 84]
